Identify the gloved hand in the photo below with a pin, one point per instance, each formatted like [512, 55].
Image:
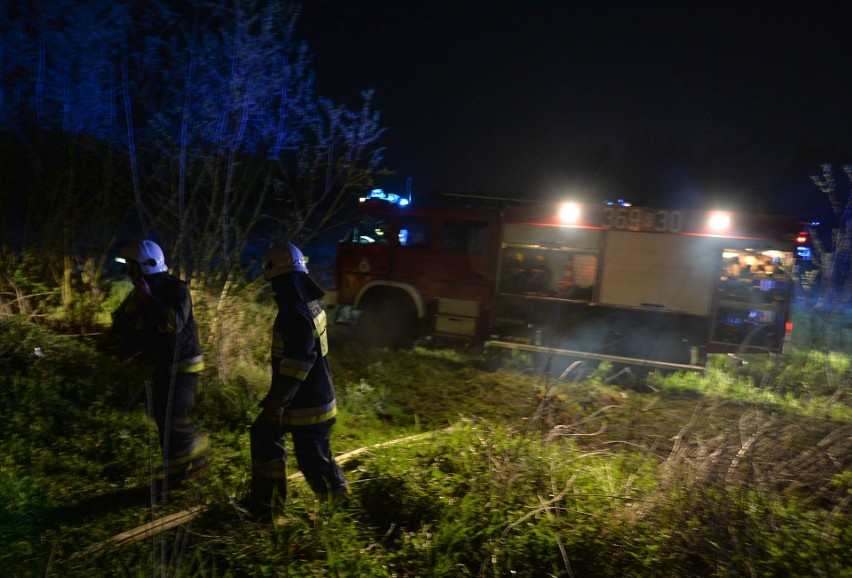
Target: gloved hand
[141, 294]
[142, 289]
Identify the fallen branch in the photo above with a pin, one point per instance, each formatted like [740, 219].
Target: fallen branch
[165, 523]
[139, 533]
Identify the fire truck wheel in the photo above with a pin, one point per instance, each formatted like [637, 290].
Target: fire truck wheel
[388, 322]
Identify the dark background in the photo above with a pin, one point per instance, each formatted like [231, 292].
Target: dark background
[688, 104]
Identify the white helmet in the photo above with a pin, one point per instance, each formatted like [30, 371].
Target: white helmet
[148, 255]
[280, 259]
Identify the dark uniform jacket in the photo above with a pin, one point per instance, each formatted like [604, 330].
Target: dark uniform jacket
[162, 330]
[301, 377]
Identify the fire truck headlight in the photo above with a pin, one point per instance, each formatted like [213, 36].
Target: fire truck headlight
[719, 222]
[569, 213]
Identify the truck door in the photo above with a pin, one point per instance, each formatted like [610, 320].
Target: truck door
[673, 273]
[463, 266]
[658, 291]
[412, 246]
[363, 256]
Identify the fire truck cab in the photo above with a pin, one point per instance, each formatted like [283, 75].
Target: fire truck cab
[655, 287]
[411, 270]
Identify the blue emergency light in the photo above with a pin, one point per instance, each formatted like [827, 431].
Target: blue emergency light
[380, 195]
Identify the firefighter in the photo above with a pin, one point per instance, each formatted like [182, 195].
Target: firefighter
[156, 323]
[300, 400]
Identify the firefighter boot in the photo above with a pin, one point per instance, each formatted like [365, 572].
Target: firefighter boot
[265, 496]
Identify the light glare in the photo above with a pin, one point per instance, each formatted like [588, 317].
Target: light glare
[719, 222]
[569, 213]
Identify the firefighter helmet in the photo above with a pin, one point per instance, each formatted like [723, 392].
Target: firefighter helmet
[148, 255]
[280, 259]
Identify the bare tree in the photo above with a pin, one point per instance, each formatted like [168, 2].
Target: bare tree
[58, 104]
[836, 262]
[236, 140]
[240, 136]
[196, 122]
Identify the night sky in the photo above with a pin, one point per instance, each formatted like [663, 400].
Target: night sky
[661, 103]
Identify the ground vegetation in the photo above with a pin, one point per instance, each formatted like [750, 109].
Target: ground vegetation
[455, 470]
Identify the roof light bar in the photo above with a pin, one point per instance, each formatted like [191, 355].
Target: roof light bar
[380, 195]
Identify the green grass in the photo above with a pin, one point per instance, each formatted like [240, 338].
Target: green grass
[742, 471]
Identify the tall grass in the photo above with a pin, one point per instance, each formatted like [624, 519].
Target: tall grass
[744, 471]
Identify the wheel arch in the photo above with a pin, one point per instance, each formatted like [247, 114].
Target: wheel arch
[374, 287]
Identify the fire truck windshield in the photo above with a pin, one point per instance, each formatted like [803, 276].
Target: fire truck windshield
[369, 230]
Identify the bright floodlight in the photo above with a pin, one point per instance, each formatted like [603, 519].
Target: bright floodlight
[569, 213]
[719, 222]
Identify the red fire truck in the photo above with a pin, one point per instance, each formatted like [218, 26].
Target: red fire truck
[641, 286]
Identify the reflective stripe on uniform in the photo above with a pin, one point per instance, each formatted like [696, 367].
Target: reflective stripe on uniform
[179, 464]
[277, 345]
[195, 368]
[295, 368]
[190, 365]
[320, 323]
[309, 415]
[171, 321]
[272, 470]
